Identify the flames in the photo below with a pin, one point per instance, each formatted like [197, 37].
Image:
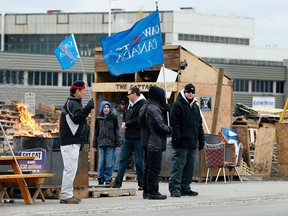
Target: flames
[27, 126]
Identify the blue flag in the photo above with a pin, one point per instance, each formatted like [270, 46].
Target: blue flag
[67, 52]
[135, 49]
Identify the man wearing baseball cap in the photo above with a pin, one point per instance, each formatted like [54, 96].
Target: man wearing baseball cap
[73, 132]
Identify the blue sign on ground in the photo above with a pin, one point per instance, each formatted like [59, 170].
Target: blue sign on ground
[37, 165]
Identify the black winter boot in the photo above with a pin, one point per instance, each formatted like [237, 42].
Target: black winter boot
[100, 181]
[156, 196]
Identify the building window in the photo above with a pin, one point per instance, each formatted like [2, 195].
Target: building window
[279, 87]
[11, 77]
[42, 78]
[213, 39]
[240, 85]
[262, 86]
[70, 77]
[90, 79]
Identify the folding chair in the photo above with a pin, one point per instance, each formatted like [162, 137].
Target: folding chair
[215, 157]
[237, 163]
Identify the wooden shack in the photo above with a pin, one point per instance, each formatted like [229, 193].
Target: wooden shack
[214, 90]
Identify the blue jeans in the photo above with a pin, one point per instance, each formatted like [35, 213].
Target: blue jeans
[117, 156]
[106, 162]
[182, 169]
[127, 148]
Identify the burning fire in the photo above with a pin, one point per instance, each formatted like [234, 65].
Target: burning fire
[27, 126]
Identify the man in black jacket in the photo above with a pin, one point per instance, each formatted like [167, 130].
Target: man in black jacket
[73, 133]
[154, 131]
[188, 134]
[132, 138]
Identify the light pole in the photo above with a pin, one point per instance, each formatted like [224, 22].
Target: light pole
[110, 19]
[109, 24]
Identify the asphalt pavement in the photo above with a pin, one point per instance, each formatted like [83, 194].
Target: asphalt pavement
[251, 197]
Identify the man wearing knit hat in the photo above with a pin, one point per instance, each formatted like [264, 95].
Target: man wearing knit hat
[73, 133]
[187, 136]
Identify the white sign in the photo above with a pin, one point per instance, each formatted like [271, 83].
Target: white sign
[263, 102]
[170, 76]
[30, 101]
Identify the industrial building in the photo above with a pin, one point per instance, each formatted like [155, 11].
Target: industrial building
[27, 62]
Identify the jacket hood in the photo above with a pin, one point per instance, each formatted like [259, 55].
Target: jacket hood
[182, 95]
[103, 103]
[139, 98]
[156, 93]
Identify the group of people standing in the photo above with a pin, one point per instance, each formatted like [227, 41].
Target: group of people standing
[141, 127]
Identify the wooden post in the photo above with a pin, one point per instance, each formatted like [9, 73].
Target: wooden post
[217, 100]
[92, 128]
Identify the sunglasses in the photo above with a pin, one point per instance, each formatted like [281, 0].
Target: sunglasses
[193, 92]
[129, 94]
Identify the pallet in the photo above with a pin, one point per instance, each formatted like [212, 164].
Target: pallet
[111, 192]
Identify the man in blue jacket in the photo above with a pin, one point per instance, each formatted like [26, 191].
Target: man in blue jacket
[73, 133]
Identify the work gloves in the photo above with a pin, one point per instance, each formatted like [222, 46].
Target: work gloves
[90, 105]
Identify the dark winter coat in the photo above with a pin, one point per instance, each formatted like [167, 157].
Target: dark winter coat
[106, 128]
[73, 109]
[131, 119]
[186, 122]
[154, 129]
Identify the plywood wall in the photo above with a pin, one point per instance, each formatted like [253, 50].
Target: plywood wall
[264, 144]
[282, 149]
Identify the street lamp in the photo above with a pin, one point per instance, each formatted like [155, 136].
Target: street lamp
[109, 24]
[110, 20]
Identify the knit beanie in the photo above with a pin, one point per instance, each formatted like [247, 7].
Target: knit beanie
[79, 84]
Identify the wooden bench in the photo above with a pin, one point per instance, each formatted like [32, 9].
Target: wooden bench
[36, 179]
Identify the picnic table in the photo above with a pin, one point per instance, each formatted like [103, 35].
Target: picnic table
[22, 179]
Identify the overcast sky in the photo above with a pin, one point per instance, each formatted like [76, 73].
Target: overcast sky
[271, 16]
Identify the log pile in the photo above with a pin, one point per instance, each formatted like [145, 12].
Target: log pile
[9, 116]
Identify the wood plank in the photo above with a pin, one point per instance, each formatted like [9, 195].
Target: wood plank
[217, 101]
[11, 158]
[263, 151]
[112, 192]
[24, 176]
[243, 135]
[282, 149]
[125, 86]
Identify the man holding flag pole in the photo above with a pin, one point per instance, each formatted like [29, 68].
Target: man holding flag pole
[73, 124]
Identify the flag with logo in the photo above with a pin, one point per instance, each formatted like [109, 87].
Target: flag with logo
[135, 49]
[67, 52]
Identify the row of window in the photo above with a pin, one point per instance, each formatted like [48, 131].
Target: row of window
[265, 86]
[46, 44]
[51, 79]
[242, 62]
[213, 39]
[11, 77]
[42, 78]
